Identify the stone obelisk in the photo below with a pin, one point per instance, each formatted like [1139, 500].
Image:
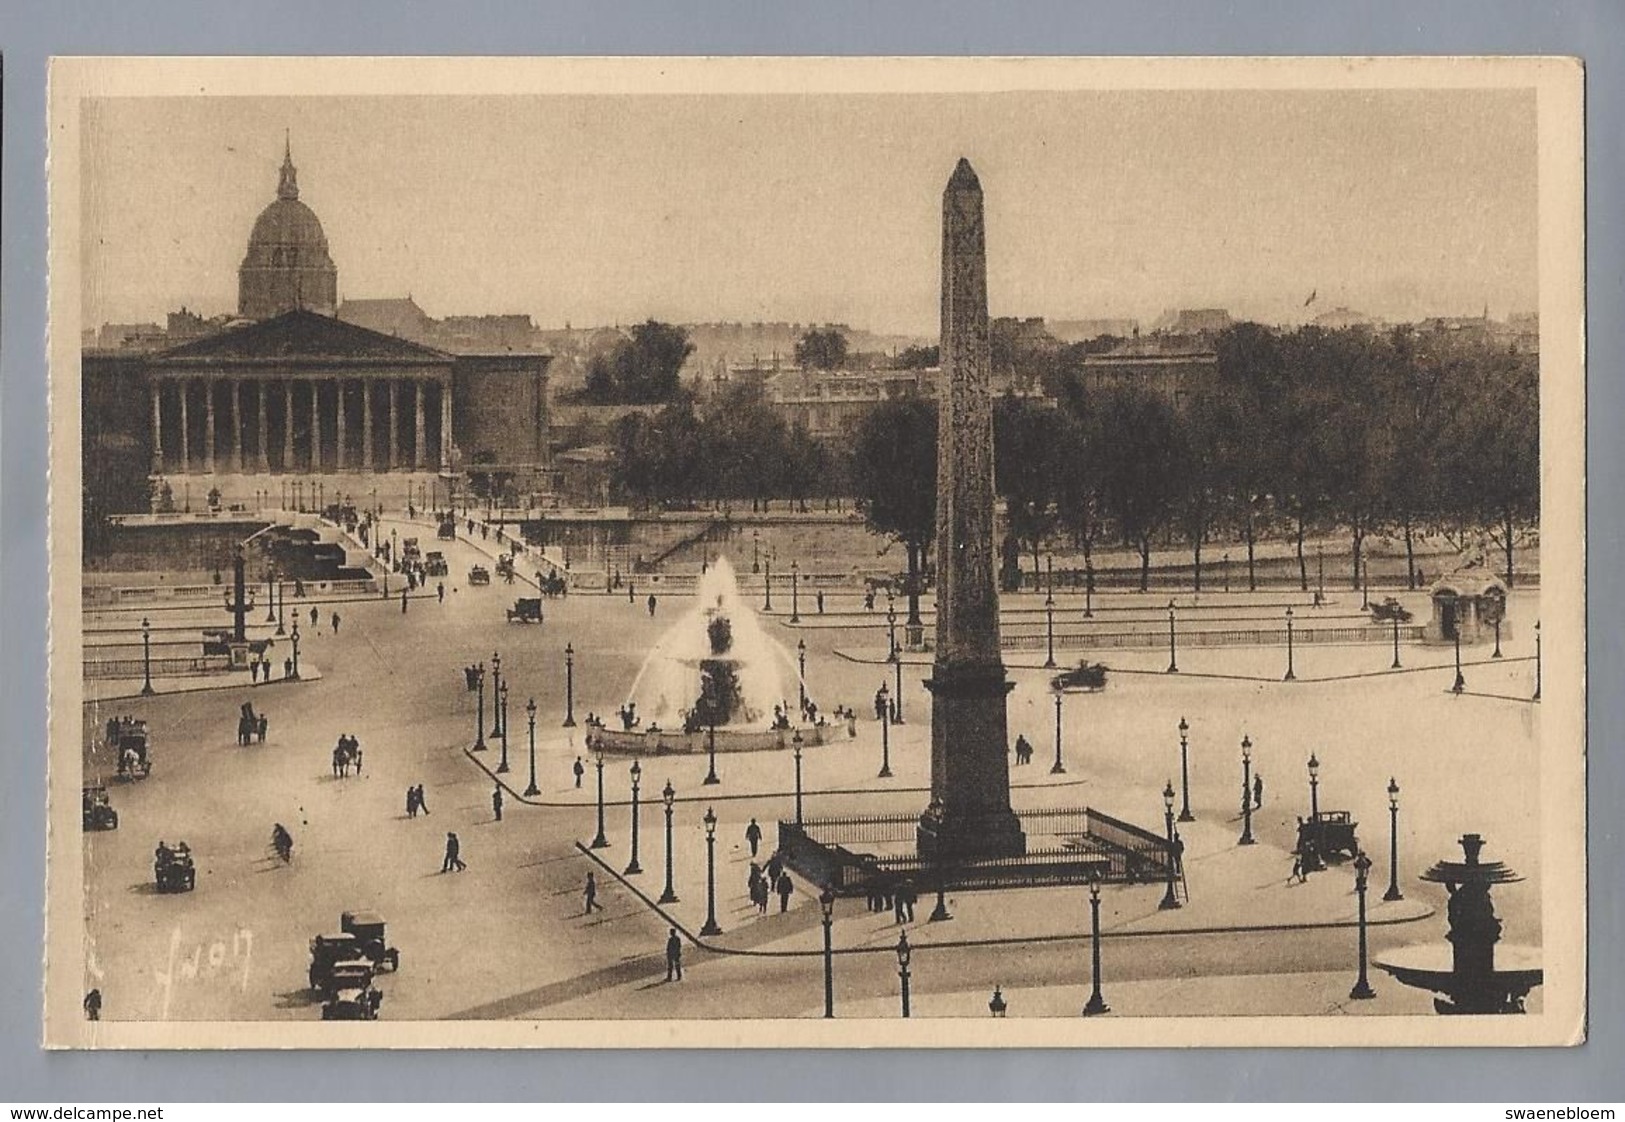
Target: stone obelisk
[970, 813]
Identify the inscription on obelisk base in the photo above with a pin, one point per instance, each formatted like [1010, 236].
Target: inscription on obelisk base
[970, 815]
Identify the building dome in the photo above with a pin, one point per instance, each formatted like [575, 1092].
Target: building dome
[287, 265]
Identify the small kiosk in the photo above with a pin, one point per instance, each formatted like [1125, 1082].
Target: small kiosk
[1470, 603]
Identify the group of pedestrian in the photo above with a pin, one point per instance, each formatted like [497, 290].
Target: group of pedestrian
[762, 884]
[1023, 750]
[415, 801]
[346, 754]
[898, 898]
[260, 667]
[453, 861]
[250, 726]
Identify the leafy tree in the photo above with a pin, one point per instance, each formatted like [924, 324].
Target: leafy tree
[1026, 441]
[642, 369]
[917, 358]
[894, 475]
[822, 349]
[1140, 463]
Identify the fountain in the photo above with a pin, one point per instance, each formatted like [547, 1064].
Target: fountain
[714, 675]
[1472, 984]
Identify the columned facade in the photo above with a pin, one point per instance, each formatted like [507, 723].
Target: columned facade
[325, 441]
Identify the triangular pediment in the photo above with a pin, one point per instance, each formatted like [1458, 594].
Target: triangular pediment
[300, 336]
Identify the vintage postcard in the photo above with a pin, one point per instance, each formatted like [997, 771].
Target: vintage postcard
[803, 552]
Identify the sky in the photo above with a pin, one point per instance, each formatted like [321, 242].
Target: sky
[599, 209]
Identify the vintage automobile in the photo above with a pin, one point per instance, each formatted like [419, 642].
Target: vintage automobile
[526, 609]
[353, 997]
[1086, 675]
[479, 574]
[1389, 610]
[368, 930]
[173, 870]
[1329, 833]
[328, 953]
[447, 530]
[410, 550]
[434, 564]
[132, 747]
[99, 815]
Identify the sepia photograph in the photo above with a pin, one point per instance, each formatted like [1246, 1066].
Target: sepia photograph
[808, 552]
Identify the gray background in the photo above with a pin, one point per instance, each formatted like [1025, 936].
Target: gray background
[30, 32]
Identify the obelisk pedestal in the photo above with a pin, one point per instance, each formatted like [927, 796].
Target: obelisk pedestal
[969, 816]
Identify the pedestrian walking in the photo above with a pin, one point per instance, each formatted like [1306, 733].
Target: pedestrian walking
[1258, 791]
[753, 835]
[423, 803]
[264, 723]
[411, 802]
[93, 1005]
[759, 896]
[335, 623]
[911, 896]
[315, 617]
[674, 956]
[579, 769]
[355, 754]
[820, 601]
[591, 895]
[785, 889]
[899, 911]
[631, 592]
[774, 867]
[651, 605]
[254, 673]
[454, 858]
[338, 758]
[1297, 869]
[440, 590]
[496, 802]
[880, 703]
[287, 668]
[403, 601]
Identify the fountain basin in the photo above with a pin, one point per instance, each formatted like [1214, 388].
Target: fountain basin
[1431, 967]
[666, 742]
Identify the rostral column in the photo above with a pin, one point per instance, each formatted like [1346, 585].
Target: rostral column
[969, 815]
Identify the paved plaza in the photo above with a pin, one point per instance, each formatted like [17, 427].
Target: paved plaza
[507, 938]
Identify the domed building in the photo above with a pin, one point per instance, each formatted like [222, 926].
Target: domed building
[287, 266]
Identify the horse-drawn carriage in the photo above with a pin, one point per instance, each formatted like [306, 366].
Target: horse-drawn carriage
[505, 568]
[98, 812]
[172, 868]
[526, 609]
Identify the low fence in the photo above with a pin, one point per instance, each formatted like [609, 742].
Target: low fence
[1217, 637]
[1085, 844]
[665, 742]
[132, 668]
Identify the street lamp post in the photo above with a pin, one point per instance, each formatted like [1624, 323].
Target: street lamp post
[270, 592]
[903, 954]
[796, 742]
[479, 713]
[755, 551]
[1393, 892]
[885, 735]
[569, 686]
[1314, 788]
[1227, 571]
[1170, 898]
[1185, 814]
[826, 901]
[668, 895]
[711, 926]
[1365, 585]
[294, 636]
[767, 585]
[795, 592]
[1097, 1003]
[897, 691]
[1320, 574]
[146, 658]
[1058, 768]
[711, 755]
[1537, 660]
[531, 790]
[1089, 592]
[801, 672]
[1461, 682]
[891, 629]
[1395, 666]
[599, 841]
[632, 866]
[1246, 791]
[1173, 665]
[502, 718]
[282, 603]
[1497, 652]
[940, 912]
[496, 689]
[1289, 675]
[1362, 990]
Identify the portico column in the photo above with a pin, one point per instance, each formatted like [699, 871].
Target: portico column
[338, 401]
[445, 425]
[236, 426]
[186, 436]
[154, 389]
[366, 424]
[417, 446]
[394, 425]
[208, 432]
[287, 427]
[315, 426]
[264, 455]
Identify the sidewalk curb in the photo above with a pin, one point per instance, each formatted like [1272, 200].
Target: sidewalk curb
[138, 695]
[1013, 940]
